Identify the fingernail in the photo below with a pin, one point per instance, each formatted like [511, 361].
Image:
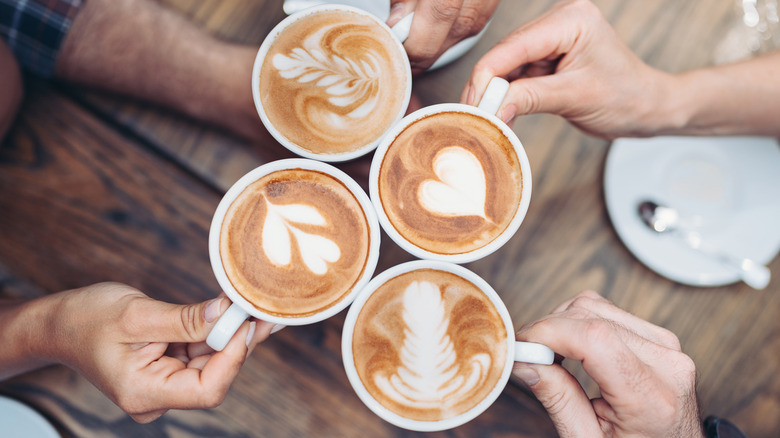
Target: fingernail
[508, 113]
[528, 375]
[212, 310]
[277, 328]
[251, 334]
[470, 95]
[396, 13]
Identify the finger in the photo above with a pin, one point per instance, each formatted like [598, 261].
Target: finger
[562, 397]
[148, 417]
[606, 415]
[179, 351]
[400, 9]
[180, 387]
[431, 26]
[263, 330]
[150, 320]
[604, 354]
[548, 37]
[600, 306]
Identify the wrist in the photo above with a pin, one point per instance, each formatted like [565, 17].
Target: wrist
[23, 328]
[671, 108]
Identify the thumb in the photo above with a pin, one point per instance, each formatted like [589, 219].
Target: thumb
[165, 322]
[562, 396]
[541, 94]
[399, 9]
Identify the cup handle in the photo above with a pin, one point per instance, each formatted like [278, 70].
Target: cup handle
[531, 352]
[226, 327]
[494, 95]
[403, 27]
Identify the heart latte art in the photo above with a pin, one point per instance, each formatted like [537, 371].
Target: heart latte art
[294, 242]
[333, 82]
[429, 345]
[450, 182]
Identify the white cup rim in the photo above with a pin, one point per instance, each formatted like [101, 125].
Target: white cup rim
[258, 64]
[259, 172]
[478, 253]
[370, 401]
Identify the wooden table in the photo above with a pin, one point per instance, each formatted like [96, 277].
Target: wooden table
[95, 188]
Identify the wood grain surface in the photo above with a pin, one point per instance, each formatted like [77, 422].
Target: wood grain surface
[96, 187]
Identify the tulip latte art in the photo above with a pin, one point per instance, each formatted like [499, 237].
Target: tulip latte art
[429, 345]
[332, 82]
[450, 182]
[294, 242]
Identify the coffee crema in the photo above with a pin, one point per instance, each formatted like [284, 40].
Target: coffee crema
[450, 183]
[429, 345]
[333, 82]
[295, 242]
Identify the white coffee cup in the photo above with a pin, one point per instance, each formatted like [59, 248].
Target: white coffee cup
[400, 32]
[515, 351]
[241, 309]
[381, 9]
[488, 106]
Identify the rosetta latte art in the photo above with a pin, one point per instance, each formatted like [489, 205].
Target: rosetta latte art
[348, 84]
[333, 82]
[428, 376]
[278, 232]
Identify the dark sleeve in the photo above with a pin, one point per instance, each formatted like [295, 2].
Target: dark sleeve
[35, 29]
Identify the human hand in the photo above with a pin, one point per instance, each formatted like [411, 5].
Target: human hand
[647, 383]
[438, 25]
[570, 62]
[147, 356]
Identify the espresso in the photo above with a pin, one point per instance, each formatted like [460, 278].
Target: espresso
[295, 242]
[450, 183]
[333, 82]
[429, 345]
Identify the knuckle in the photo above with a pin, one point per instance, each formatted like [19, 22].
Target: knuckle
[598, 332]
[529, 100]
[469, 22]
[446, 10]
[210, 399]
[190, 321]
[669, 338]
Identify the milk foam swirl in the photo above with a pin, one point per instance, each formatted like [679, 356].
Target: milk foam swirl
[429, 345]
[294, 242]
[428, 375]
[279, 230]
[450, 182]
[347, 83]
[333, 82]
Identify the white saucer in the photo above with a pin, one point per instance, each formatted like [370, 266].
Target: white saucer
[18, 420]
[727, 188]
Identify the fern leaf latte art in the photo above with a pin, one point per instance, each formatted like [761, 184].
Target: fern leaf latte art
[429, 345]
[330, 82]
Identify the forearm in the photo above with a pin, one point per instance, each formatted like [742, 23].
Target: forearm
[23, 326]
[138, 48]
[734, 99]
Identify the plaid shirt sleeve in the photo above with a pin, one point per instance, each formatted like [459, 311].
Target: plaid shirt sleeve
[35, 29]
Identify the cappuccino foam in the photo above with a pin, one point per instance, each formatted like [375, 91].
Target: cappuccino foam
[295, 242]
[333, 82]
[450, 183]
[429, 345]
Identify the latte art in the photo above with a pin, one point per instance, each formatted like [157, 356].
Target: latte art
[333, 82]
[294, 242]
[429, 345]
[346, 83]
[450, 183]
[279, 230]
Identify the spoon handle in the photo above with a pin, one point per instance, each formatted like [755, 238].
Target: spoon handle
[753, 274]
